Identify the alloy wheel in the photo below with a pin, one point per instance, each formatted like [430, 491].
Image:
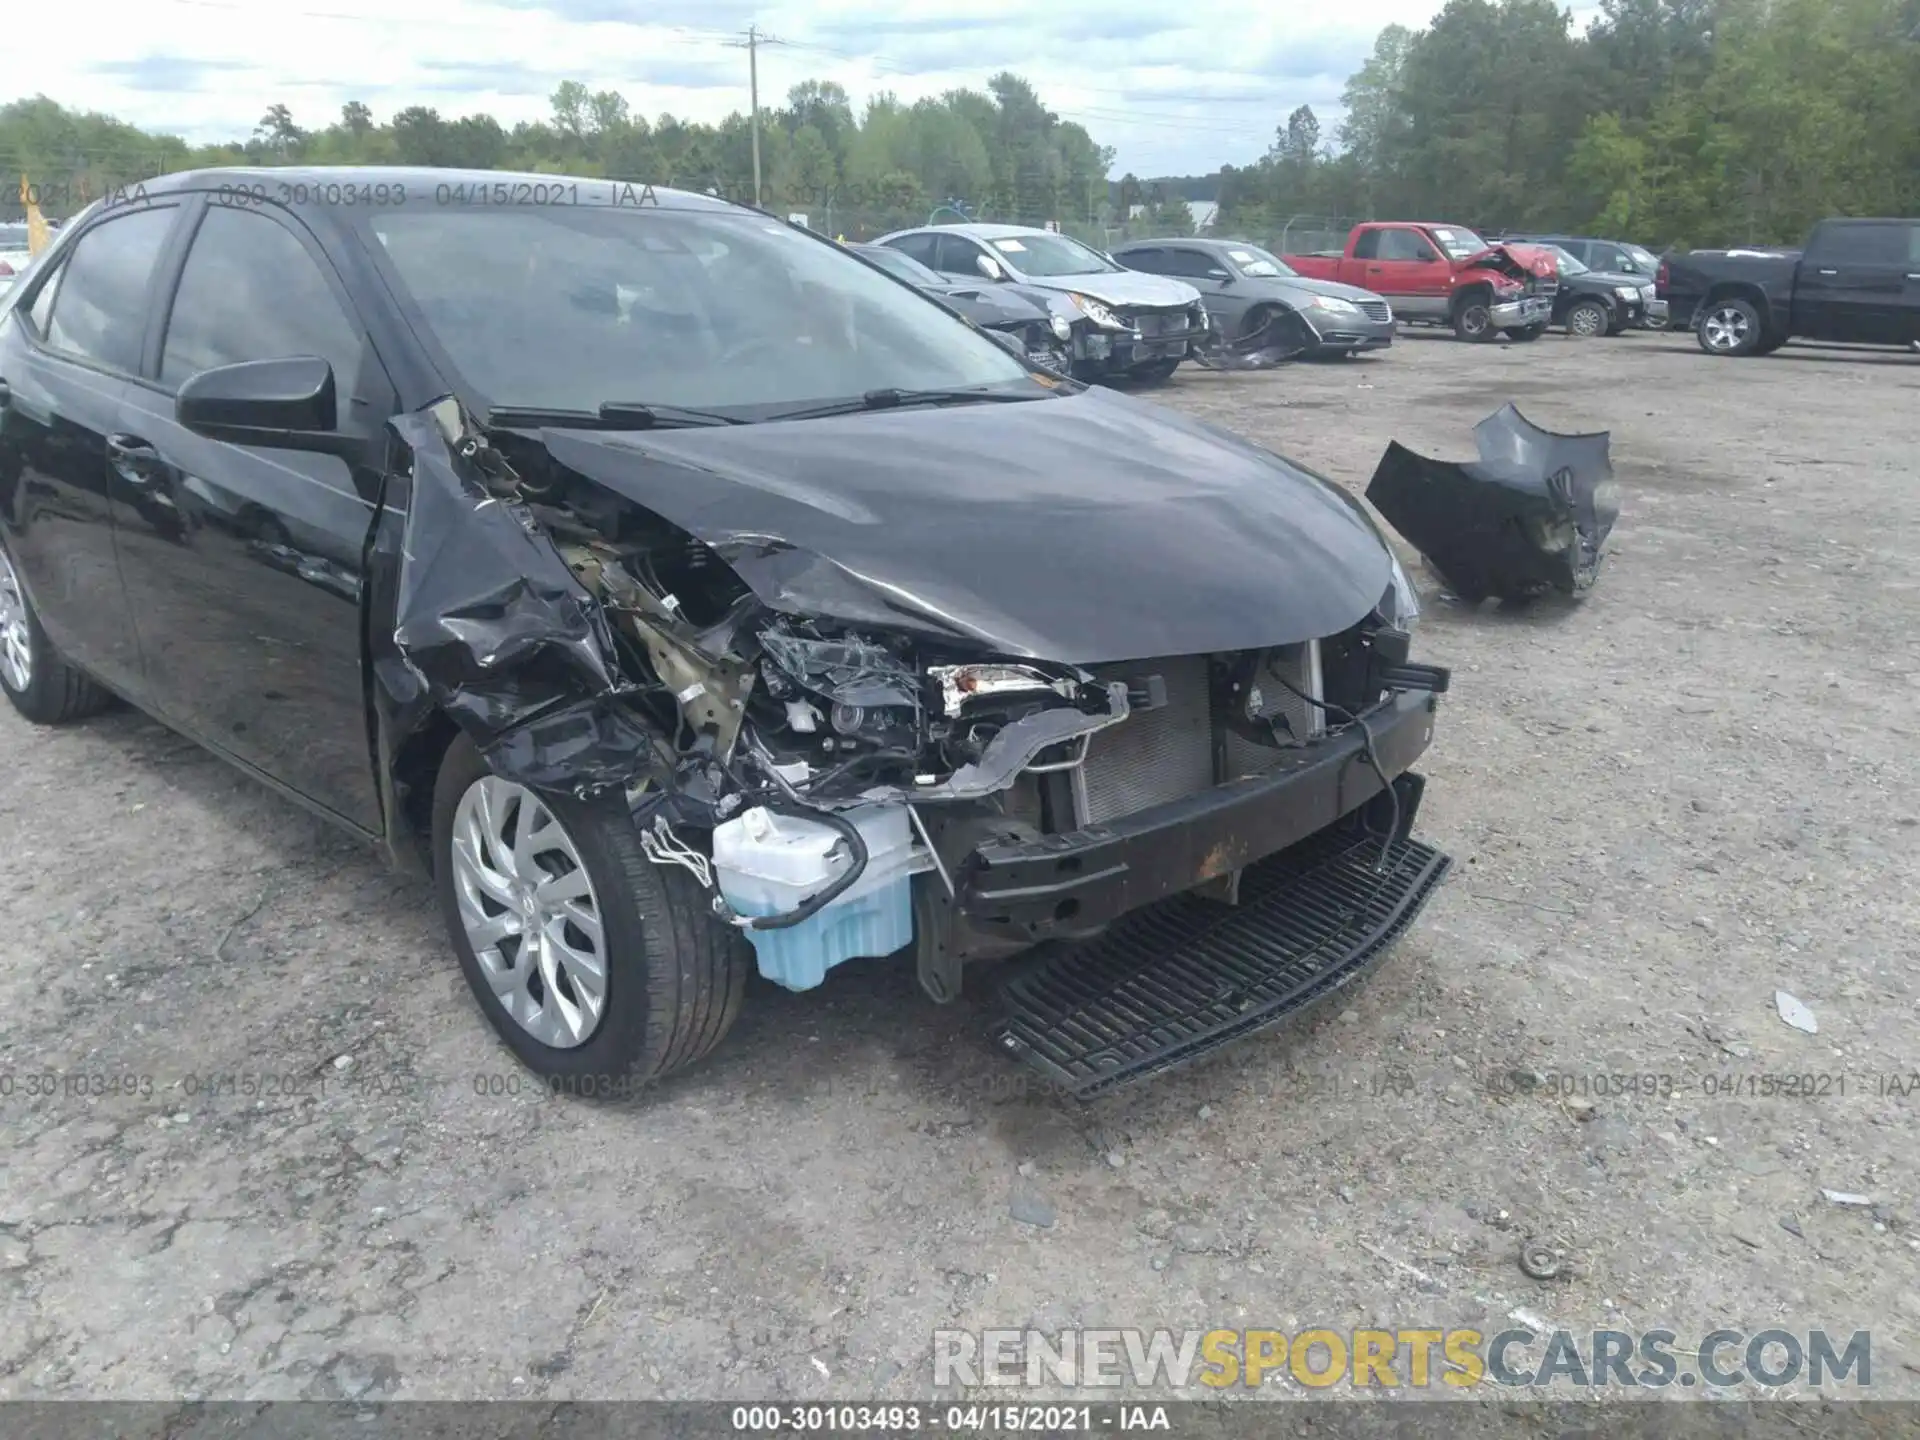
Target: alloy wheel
[1585, 320]
[1725, 329]
[529, 911]
[16, 640]
[1475, 320]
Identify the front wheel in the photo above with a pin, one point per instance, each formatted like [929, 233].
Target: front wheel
[601, 970]
[1154, 372]
[1730, 327]
[1589, 318]
[41, 686]
[1473, 322]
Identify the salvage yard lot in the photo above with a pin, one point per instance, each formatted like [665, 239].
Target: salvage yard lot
[314, 1172]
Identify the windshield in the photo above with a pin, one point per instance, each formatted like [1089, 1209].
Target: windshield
[1252, 260]
[1644, 259]
[1565, 260]
[13, 237]
[897, 263]
[1051, 255]
[1456, 242]
[567, 307]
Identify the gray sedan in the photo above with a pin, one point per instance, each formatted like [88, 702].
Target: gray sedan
[1245, 288]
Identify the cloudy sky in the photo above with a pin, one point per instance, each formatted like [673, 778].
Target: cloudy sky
[1174, 87]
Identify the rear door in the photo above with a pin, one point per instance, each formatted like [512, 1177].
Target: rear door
[1852, 283]
[1401, 263]
[246, 573]
[66, 352]
[1208, 274]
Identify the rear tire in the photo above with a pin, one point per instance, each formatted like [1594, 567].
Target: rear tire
[670, 975]
[42, 686]
[1730, 327]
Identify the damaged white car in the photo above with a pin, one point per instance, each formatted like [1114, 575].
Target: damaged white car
[688, 598]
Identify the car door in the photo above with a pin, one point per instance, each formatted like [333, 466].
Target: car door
[245, 567]
[66, 353]
[1910, 289]
[1402, 264]
[1852, 283]
[1209, 274]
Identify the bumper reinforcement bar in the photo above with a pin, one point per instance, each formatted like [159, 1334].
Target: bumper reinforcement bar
[1182, 978]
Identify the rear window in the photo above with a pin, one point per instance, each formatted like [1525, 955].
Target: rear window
[100, 313]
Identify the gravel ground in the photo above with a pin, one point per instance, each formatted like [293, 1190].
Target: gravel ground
[1691, 790]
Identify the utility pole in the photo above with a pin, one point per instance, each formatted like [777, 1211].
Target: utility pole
[752, 45]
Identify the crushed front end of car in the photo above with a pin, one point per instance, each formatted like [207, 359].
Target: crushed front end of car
[892, 684]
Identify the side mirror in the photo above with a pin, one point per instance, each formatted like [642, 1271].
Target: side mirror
[989, 267]
[1225, 277]
[285, 404]
[1426, 253]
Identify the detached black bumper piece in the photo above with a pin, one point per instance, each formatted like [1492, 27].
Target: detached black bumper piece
[1183, 978]
[1529, 516]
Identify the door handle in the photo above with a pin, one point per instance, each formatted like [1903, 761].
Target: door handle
[129, 454]
[1829, 272]
[6, 394]
[1911, 275]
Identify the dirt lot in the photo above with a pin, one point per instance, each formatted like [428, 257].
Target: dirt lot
[1664, 804]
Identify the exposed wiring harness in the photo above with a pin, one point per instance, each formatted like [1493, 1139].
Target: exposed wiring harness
[1347, 717]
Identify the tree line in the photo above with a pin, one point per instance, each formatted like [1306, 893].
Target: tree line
[1698, 122]
[1690, 122]
[999, 153]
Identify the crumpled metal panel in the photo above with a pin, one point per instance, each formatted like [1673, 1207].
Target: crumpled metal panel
[504, 637]
[1287, 335]
[1529, 516]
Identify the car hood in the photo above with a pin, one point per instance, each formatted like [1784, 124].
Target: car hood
[1124, 287]
[1614, 278]
[1085, 528]
[1531, 258]
[989, 305]
[1290, 286]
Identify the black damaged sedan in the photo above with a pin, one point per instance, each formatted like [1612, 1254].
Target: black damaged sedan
[687, 598]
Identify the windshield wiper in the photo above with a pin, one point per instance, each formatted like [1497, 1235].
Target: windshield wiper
[893, 399]
[612, 415]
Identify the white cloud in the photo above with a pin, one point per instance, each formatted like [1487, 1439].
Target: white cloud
[1174, 88]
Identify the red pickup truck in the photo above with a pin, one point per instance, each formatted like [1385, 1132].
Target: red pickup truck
[1445, 275]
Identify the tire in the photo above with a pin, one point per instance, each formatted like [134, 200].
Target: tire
[1729, 327]
[1154, 372]
[42, 686]
[671, 975]
[1588, 318]
[1526, 333]
[1770, 344]
[1473, 321]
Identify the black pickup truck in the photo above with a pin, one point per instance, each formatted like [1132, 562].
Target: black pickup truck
[1855, 281]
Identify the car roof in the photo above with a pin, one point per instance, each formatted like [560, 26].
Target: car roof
[425, 177]
[981, 230]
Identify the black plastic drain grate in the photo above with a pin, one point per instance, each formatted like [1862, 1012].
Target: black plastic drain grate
[1180, 979]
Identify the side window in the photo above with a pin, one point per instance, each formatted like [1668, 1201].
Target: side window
[100, 312]
[957, 256]
[920, 247]
[1367, 247]
[1151, 260]
[1402, 245]
[42, 309]
[250, 291]
[1189, 263]
[1845, 244]
[1913, 247]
